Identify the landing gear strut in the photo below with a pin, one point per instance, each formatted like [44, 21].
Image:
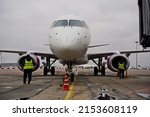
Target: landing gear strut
[48, 67]
[69, 69]
[100, 67]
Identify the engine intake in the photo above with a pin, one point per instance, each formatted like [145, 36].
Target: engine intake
[113, 61]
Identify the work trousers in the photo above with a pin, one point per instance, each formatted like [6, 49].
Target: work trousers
[121, 73]
[27, 73]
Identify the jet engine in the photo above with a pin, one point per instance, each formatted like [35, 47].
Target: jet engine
[34, 58]
[113, 61]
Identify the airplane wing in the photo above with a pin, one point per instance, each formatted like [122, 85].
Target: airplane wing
[93, 46]
[90, 56]
[98, 55]
[35, 53]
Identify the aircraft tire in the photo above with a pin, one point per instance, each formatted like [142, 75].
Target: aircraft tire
[103, 70]
[72, 77]
[52, 71]
[95, 71]
[45, 71]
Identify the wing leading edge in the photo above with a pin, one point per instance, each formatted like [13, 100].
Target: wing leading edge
[32, 52]
[98, 55]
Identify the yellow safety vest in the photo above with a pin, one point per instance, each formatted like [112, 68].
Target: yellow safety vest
[28, 64]
[121, 66]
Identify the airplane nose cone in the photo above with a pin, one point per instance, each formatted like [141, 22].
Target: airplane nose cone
[67, 43]
[71, 42]
[71, 48]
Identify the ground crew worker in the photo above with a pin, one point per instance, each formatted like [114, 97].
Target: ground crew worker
[121, 69]
[77, 72]
[28, 66]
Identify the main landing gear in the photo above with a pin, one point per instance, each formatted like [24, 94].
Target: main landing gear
[48, 67]
[100, 67]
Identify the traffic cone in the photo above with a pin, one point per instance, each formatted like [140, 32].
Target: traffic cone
[66, 84]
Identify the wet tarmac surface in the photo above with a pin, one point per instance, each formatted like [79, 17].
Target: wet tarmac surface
[86, 86]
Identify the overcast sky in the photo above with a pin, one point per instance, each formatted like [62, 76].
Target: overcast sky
[24, 24]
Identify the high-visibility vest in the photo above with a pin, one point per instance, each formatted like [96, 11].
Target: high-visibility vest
[28, 64]
[121, 66]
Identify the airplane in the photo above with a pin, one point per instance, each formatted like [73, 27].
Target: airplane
[69, 41]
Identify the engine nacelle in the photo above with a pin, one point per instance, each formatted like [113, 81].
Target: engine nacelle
[34, 58]
[113, 61]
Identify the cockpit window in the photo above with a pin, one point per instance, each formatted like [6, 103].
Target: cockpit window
[64, 23]
[53, 24]
[61, 23]
[75, 23]
[85, 25]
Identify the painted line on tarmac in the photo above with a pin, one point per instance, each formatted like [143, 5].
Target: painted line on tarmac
[138, 90]
[70, 92]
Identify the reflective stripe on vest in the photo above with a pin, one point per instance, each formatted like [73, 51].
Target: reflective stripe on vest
[121, 66]
[28, 64]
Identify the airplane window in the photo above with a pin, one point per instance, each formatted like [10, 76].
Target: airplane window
[75, 23]
[61, 23]
[53, 24]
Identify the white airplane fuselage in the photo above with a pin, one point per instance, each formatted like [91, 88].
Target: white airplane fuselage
[69, 39]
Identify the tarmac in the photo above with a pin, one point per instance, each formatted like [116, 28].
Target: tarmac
[136, 86]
